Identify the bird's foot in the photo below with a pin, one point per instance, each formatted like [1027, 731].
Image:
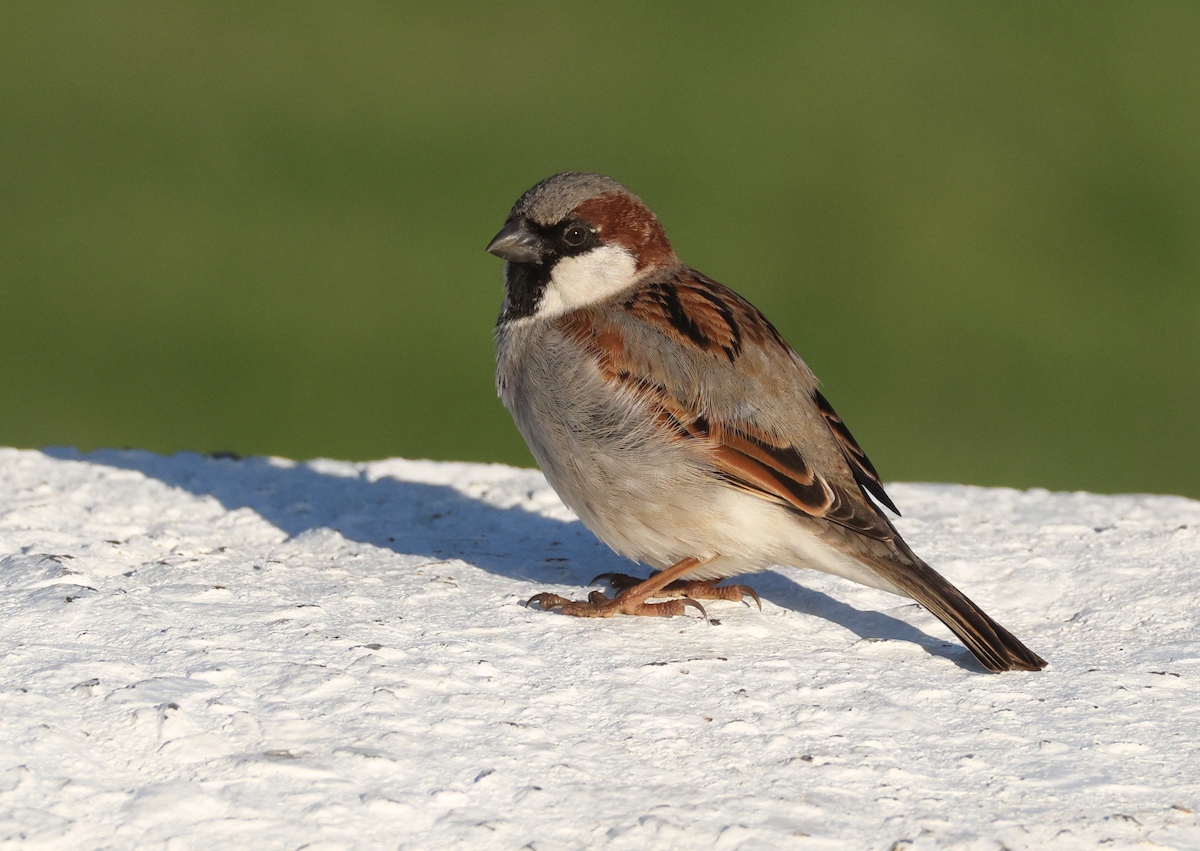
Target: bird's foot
[599, 605]
[694, 589]
[633, 597]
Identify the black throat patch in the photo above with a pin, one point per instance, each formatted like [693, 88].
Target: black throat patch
[524, 286]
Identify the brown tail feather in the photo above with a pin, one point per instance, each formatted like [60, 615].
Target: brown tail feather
[995, 647]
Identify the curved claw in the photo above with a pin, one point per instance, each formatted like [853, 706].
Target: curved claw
[688, 601]
[751, 592]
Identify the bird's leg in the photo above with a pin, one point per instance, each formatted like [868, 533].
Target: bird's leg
[695, 589]
[632, 597]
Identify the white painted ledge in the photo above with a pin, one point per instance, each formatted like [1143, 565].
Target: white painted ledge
[207, 654]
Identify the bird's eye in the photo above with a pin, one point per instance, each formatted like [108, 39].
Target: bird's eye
[576, 235]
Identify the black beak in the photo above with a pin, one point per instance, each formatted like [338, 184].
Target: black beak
[516, 243]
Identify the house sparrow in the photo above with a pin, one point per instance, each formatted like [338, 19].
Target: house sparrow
[672, 417]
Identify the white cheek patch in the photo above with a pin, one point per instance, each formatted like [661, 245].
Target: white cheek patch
[579, 281]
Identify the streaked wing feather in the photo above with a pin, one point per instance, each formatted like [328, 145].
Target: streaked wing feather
[780, 473]
[860, 464]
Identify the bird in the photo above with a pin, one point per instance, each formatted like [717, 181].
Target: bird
[672, 417]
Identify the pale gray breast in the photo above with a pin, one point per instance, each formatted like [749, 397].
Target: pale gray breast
[599, 449]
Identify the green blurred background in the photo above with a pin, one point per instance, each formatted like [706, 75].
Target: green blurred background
[259, 227]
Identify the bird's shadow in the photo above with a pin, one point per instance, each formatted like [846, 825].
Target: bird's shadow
[441, 522]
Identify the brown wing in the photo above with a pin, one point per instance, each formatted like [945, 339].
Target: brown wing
[708, 321]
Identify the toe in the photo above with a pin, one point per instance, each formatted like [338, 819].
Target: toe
[547, 600]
